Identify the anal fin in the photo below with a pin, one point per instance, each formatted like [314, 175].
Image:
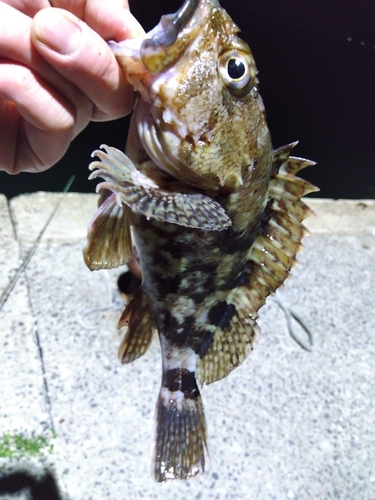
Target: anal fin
[232, 340]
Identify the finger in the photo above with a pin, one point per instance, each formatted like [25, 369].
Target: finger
[41, 138]
[9, 117]
[83, 57]
[31, 94]
[15, 45]
[111, 19]
[28, 7]
[41, 108]
[114, 22]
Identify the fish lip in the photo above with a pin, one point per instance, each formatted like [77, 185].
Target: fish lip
[169, 35]
[169, 39]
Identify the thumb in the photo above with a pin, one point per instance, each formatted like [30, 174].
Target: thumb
[81, 56]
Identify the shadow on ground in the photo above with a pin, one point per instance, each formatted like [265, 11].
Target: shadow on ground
[40, 487]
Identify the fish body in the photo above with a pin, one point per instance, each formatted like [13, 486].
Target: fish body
[213, 212]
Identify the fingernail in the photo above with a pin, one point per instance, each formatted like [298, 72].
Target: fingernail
[57, 29]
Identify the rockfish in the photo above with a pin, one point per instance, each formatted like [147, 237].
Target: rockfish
[213, 212]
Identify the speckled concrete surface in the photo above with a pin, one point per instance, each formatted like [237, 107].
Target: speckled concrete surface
[287, 424]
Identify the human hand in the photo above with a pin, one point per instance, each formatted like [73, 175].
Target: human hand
[57, 74]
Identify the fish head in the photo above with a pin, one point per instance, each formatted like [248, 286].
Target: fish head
[199, 116]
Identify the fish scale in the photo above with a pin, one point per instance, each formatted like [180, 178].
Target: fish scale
[213, 212]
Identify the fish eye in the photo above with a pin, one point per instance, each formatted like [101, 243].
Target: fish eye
[237, 70]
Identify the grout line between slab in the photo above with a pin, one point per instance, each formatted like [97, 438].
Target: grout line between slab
[41, 355]
[23, 270]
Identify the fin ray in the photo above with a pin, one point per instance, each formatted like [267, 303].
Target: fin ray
[232, 344]
[180, 436]
[108, 243]
[140, 324]
[270, 260]
[142, 195]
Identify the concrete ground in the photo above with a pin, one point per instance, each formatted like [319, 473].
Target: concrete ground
[288, 424]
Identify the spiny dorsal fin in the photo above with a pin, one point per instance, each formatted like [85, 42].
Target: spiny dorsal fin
[138, 319]
[143, 196]
[108, 242]
[271, 258]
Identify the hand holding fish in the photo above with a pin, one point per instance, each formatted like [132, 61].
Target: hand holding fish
[57, 74]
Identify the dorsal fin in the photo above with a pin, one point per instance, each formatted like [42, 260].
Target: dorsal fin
[270, 260]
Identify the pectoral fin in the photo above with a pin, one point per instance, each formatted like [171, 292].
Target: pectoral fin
[144, 196]
[188, 210]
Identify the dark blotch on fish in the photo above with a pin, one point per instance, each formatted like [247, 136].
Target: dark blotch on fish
[221, 314]
[181, 380]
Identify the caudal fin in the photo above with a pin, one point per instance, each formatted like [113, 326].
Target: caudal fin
[180, 431]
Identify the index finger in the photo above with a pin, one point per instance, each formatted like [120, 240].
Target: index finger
[81, 56]
[109, 19]
[28, 7]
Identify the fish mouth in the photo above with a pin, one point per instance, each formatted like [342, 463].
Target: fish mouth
[176, 22]
[173, 34]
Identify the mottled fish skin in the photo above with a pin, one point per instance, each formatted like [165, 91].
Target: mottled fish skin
[215, 215]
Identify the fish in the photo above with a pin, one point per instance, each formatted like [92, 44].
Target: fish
[205, 205]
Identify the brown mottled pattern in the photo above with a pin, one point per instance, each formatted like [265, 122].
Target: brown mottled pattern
[199, 146]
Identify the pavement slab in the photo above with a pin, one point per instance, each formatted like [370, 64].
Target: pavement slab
[20, 362]
[287, 424]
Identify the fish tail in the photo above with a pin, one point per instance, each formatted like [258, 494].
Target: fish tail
[180, 427]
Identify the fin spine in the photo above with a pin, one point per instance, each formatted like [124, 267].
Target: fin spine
[138, 319]
[270, 260]
[108, 243]
[141, 195]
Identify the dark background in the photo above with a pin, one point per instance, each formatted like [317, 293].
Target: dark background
[316, 62]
